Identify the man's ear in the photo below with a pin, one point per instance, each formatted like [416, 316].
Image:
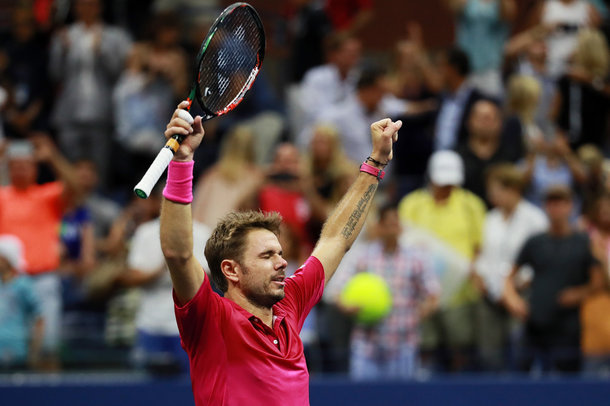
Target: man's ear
[230, 269]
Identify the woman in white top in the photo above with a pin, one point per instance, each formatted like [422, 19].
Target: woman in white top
[566, 18]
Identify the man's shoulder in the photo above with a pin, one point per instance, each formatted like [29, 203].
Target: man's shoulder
[418, 195]
[539, 238]
[321, 73]
[531, 213]
[470, 199]
[581, 237]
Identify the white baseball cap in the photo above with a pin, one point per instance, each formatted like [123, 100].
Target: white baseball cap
[20, 149]
[446, 168]
[11, 248]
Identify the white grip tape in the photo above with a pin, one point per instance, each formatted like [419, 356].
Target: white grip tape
[154, 172]
[186, 116]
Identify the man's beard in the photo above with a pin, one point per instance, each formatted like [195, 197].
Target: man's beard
[266, 300]
[260, 297]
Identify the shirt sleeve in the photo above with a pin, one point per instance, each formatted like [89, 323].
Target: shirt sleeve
[199, 317]
[52, 193]
[303, 290]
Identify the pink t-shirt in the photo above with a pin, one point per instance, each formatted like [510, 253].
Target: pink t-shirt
[236, 359]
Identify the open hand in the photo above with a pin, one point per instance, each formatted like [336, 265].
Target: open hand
[182, 123]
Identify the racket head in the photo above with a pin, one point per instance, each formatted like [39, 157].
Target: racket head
[229, 60]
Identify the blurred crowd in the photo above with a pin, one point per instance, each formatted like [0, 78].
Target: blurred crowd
[492, 225]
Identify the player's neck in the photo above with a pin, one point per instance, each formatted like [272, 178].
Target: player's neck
[265, 314]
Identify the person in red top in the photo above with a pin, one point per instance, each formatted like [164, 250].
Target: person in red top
[33, 213]
[349, 15]
[244, 348]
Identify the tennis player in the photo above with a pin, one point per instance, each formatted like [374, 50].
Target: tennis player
[244, 348]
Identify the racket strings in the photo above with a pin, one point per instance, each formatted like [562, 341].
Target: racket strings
[229, 60]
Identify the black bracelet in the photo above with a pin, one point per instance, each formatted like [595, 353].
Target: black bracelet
[376, 162]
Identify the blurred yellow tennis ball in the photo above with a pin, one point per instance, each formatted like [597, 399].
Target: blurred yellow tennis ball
[371, 294]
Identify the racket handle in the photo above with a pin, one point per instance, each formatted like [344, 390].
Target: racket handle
[154, 172]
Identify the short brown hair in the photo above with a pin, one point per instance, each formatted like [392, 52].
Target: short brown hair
[507, 175]
[558, 192]
[229, 237]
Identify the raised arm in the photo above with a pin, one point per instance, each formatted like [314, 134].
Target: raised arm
[176, 219]
[46, 151]
[344, 224]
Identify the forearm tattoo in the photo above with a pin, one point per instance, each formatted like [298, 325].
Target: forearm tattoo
[354, 218]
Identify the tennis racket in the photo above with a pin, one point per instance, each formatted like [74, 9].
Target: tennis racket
[228, 62]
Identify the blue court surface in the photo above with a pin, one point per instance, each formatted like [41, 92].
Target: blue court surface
[110, 389]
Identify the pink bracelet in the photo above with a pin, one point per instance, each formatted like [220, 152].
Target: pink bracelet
[371, 170]
[179, 186]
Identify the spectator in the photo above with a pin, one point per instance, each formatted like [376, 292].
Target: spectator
[482, 29]
[333, 82]
[22, 327]
[595, 308]
[77, 235]
[454, 216]
[102, 210]
[522, 100]
[308, 26]
[123, 303]
[456, 102]
[352, 116]
[350, 16]
[556, 164]
[78, 253]
[86, 60]
[582, 100]
[526, 54]
[328, 174]
[155, 76]
[33, 212]
[388, 350]
[592, 161]
[485, 146]
[26, 76]
[565, 274]
[565, 18]
[507, 226]
[414, 77]
[157, 345]
[224, 186]
[281, 192]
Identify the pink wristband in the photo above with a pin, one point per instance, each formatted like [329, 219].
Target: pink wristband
[179, 186]
[371, 170]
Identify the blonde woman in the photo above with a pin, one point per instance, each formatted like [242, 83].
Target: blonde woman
[328, 173]
[581, 102]
[523, 96]
[222, 188]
